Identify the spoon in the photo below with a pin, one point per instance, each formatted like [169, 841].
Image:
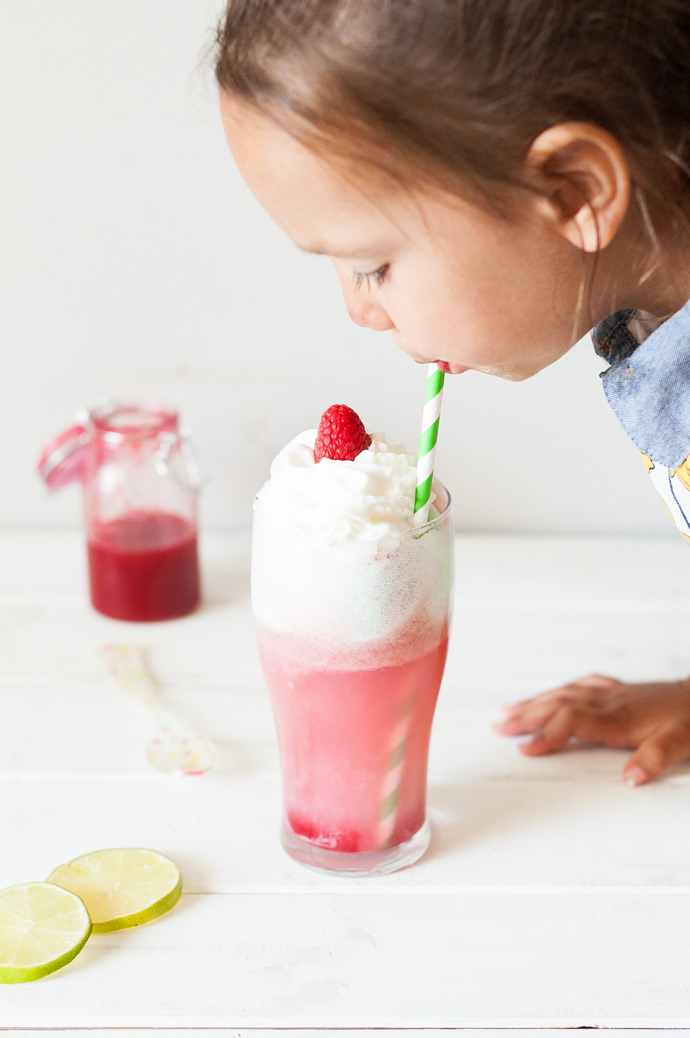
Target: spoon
[175, 749]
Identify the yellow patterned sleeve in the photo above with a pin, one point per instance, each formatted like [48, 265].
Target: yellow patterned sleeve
[683, 473]
[674, 487]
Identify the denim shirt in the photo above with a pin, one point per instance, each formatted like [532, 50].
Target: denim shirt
[648, 388]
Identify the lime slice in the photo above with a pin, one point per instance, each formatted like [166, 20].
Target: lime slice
[122, 887]
[42, 927]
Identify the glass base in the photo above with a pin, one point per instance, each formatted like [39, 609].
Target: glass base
[349, 863]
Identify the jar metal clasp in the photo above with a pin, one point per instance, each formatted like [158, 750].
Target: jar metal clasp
[186, 475]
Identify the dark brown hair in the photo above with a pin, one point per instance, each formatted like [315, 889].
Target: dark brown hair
[455, 91]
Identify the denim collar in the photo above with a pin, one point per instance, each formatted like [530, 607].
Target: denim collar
[648, 382]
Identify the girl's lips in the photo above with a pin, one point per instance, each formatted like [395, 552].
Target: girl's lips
[450, 369]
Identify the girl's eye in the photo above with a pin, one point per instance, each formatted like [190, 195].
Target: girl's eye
[374, 277]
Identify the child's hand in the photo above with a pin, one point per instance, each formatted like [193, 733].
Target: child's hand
[655, 718]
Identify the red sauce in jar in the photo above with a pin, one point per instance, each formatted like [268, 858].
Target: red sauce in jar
[144, 566]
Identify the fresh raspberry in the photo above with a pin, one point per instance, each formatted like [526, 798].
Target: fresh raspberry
[341, 434]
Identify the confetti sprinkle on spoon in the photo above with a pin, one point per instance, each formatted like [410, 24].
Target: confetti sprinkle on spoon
[174, 749]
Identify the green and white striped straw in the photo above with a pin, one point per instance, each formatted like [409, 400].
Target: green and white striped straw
[425, 475]
[390, 793]
[427, 443]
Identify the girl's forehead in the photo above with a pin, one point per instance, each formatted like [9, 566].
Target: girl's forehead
[329, 205]
[264, 149]
[311, 196]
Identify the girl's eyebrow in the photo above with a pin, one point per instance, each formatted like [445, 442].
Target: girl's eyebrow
[340, 251]
[312, 250]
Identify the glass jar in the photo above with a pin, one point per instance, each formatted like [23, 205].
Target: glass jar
[141, 486]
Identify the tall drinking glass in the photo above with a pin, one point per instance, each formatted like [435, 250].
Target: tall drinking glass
[353, 640]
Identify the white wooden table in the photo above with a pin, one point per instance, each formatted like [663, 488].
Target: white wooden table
[552, 895]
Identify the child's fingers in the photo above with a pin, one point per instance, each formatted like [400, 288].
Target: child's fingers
[581, 688]
[582, 722]
[530, 718]
[669, 746]
[534, 713]
[555, 734]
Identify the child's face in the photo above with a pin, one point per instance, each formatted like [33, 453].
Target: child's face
[453, 283]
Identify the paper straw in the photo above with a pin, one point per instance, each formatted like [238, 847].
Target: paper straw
[422, 498]
[393, 777]
[427, 444]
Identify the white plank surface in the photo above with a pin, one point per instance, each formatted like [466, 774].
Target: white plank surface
[368, 1032]
[552, 895]
[564, 958]
[552, 958]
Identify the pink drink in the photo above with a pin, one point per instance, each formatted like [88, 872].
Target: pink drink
[336, 731]
[352, 611]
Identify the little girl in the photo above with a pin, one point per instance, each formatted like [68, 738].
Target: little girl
[491, 179]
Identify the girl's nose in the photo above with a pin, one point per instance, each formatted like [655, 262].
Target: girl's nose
[363, 310]
[369, 315]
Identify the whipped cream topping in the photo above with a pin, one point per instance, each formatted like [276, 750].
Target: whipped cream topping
[369, 499]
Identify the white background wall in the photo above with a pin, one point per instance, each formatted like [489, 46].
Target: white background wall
[133, 261]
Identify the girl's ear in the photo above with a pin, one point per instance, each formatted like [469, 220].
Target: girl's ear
[582, 173]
